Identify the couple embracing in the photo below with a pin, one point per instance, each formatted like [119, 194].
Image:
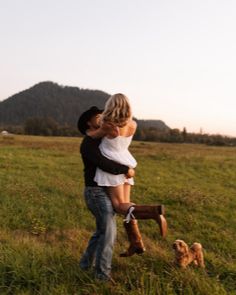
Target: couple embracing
[108, 172]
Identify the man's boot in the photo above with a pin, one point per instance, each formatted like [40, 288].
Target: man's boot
[135, 239]
[149, 212]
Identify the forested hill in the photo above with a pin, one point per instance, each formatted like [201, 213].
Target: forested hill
[47, 99]
[63, 104]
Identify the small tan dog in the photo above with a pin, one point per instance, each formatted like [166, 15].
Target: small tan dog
[185, 255]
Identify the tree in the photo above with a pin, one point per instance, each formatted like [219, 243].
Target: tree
[184, 134]
[41, 126]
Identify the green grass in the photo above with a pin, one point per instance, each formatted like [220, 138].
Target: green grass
[45, 224]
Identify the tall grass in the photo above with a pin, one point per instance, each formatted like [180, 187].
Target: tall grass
[45, 224]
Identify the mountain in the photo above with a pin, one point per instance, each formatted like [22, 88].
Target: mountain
[47, 99]
[62, 103]
[157, 124]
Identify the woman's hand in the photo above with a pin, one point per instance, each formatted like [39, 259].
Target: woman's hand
[130, 173]
[110, 129]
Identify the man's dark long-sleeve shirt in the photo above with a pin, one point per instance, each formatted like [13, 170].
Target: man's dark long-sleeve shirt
[93, 158]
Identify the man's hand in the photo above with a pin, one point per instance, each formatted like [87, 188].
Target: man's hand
[130, 173]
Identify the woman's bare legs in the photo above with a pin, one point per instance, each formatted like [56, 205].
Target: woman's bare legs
[120, 198]
[127, 189]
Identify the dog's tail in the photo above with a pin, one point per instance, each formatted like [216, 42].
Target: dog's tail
[199, 260]
[196, 247]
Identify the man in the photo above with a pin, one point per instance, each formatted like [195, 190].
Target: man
[100, 246]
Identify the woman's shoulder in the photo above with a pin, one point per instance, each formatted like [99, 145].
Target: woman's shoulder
[132, 124]
[130, 128]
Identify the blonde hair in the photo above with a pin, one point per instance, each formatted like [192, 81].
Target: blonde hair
[117, 110]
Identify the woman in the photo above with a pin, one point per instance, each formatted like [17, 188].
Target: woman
[118, 112]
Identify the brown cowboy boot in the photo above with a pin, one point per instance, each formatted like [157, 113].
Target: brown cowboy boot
[135, 239]
[150, 212]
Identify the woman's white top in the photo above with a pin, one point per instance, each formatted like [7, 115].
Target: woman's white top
[115, 149]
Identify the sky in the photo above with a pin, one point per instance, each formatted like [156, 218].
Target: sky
[174, 59]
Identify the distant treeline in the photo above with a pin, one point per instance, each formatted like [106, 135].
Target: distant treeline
[182, 136]
[49, 127]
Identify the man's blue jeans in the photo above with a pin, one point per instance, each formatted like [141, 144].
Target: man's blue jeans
[100, 246]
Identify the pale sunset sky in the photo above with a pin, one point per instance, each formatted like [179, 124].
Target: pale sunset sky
[174, 59]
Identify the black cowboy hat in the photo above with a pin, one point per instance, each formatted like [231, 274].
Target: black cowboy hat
[85, 117]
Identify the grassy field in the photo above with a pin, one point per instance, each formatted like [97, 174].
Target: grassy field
[45, 225]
